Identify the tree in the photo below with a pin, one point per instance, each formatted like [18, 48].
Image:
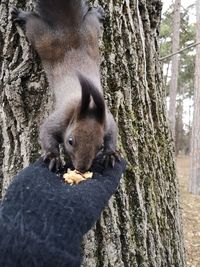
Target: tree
[185, 71]
[194, 186]
[174, 70]
[179, 131]
[187, 38]
[141, 226]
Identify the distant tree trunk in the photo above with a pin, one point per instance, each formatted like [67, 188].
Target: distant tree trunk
[167, 74]
[179, 131]
[142, 224]
[174, 69]
[190, 119]
[194, 186]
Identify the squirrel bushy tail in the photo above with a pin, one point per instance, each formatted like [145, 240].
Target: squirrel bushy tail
[62, 13]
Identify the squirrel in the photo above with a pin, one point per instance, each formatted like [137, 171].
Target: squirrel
[65, 34]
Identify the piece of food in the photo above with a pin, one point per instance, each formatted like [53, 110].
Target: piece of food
[75, 177]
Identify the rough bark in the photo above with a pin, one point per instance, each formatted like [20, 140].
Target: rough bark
[141, 225]
[174, 69]
[24, 95]
[194, 186]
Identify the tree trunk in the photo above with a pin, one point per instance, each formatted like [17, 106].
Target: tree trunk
[25, 97]
[194, 186]
[179, 130]
[141, 226]
[174, 69]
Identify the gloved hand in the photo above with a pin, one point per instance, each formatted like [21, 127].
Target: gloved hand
[43, 220]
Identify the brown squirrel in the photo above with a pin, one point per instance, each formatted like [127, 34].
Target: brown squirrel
[65, 34]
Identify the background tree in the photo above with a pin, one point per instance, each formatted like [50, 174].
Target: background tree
[174, 69]
[194, 186]
[141, 226]
[185, 87]
[179, 126]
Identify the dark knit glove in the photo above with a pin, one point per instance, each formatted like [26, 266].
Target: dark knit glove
[43, 220]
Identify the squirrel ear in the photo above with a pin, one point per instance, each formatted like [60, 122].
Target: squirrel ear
[88, 90]
[85, 99]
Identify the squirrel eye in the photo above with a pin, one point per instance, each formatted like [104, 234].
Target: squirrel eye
[70, 141]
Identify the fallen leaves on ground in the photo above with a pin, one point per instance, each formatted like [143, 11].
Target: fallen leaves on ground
[190, 205]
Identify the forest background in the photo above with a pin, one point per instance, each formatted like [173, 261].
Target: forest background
[184, 112]
[185, 89]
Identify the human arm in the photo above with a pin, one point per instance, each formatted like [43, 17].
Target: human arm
[43, 220]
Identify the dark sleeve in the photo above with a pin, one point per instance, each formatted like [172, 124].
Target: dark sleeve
[42, 220]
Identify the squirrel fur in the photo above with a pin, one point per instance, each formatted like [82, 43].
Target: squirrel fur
[65, 34]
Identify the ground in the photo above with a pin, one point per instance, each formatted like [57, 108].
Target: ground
[190, 205]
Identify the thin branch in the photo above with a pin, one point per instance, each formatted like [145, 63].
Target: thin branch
[180, 51]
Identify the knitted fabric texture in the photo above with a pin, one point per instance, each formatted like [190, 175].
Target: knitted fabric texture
[43, 220]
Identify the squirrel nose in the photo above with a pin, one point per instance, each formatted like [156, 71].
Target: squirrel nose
[82, 170]
[83, 167]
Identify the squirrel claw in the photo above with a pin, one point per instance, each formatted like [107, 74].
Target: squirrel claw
[109, 158]
[53, 161]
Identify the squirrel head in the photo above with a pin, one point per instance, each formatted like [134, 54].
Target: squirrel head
[84, 137]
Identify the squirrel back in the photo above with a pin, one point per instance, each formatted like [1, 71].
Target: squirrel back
[62, 26]
[62, 13]
[65, 34]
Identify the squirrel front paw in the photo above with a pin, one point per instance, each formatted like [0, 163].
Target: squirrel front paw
[53, 161]
[109, 157]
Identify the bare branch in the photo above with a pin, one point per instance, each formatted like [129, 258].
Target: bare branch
[180, 51]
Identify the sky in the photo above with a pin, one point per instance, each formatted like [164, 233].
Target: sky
[184, 3]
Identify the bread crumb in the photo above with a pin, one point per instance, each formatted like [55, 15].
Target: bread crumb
[75, 177]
